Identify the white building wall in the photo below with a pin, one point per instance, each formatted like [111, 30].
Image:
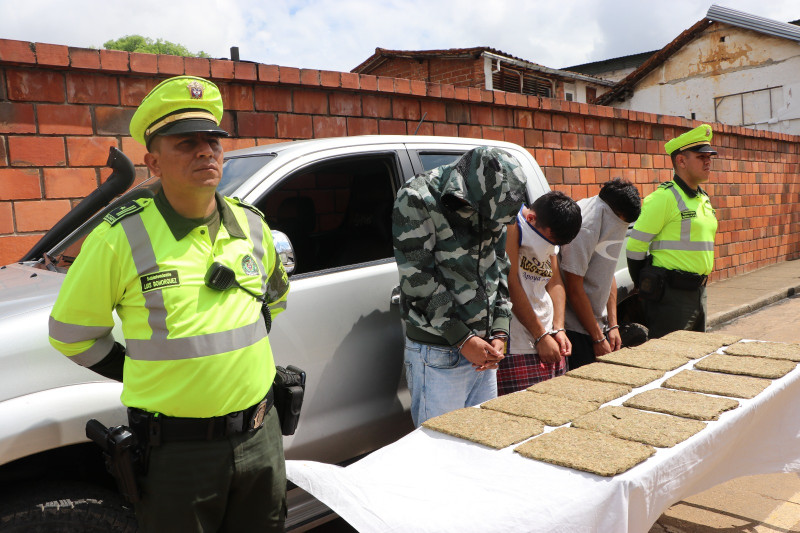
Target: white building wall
[724, 61]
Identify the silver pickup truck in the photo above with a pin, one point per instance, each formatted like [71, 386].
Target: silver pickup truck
[332, 200]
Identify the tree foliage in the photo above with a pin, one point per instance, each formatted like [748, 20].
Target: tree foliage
[146, 45]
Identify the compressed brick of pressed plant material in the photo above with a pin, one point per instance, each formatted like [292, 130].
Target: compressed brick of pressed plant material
[683, 349]
[586, 450]
[551, 410]
[662, 431]
[722, 339]
[582, 390]
[759, 367]
[716, 383]
[625, 375]
[644, 359]
[773, 350]
[681, 403]
[490, 428]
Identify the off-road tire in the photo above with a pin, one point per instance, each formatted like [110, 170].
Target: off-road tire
[66, 508]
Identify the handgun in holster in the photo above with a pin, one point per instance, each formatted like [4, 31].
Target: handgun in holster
[289, 385]
[122, 455]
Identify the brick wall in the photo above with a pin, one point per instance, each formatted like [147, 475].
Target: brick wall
[60, 109]
[460, 72]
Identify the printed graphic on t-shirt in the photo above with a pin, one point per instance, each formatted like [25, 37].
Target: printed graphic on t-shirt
[609, 249]
[533, 269]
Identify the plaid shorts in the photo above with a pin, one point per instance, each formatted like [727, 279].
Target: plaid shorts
[519, 371]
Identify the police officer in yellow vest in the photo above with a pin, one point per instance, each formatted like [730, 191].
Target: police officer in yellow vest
[198, 367]
[677, 225]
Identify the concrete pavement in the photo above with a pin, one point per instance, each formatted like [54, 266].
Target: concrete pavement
[733, 297]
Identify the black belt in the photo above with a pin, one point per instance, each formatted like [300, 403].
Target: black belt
[688, 281]
[156, 430]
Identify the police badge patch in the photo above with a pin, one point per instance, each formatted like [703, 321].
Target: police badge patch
[249, 265]
[195, 90]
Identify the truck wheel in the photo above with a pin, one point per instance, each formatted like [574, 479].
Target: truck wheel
[68, 508]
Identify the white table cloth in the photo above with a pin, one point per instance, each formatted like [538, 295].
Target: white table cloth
[430, 482]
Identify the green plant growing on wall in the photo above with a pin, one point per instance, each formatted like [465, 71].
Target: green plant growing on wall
[146, 45]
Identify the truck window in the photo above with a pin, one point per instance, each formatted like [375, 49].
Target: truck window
[431, 160]
[336, 214]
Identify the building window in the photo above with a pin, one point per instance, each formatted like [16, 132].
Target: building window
[514, 81]
[749, 108]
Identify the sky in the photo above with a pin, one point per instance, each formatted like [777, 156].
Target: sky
[340, 34]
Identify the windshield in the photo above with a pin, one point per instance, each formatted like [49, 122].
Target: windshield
[237, 170]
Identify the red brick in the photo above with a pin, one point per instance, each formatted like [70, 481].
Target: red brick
[418, 88]
[544, 157]
[40, 215]
[230, 144]
[310, 101]
[114, 60]
[560, 123]
[64, 119]
[89, 151]
[492, 133]
[35, 85]
[362, 126]
[294, 126]
[561, 158]
[445, 130]
[433, 111]
[92, 89]
[329, 78]
[386, 84]
[405, 108]
[289, 75]
[569, 141]
[523, 119]
[237, 97]
[244, 71]
[474, 94]
[552, 139]
[462, 93]
[3, 155]
[368, 82]
[392, 127]
[577, 158]
[53, 55]
[133, 150]
[16, 52]
[345, 104]
[534, 138]
[350, 80]
[402, 86]
[542, 121]
[474, 132]
[499, 97]
[19, 184]
[170, 65]
[197, 66]
[376, 106]
[36, 151]
[481, 115]
[433, 90]
[6, 219]
[113, 120]
[17, 118]
[273, 99]
[69, 182]
[222, 69]
[309, 76]
[133, 90]
[330, 127]
[84, 58]
[255, 124]
[12, 248]
[269, 73]
[145, 63]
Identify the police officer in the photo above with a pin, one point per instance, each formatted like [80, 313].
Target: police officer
[677, 224]
[198, 367]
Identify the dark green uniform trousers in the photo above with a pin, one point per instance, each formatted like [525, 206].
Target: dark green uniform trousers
[231, 484]
[677, 309]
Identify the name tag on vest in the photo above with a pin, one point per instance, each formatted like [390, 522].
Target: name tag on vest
[159, 280]
[688, 214]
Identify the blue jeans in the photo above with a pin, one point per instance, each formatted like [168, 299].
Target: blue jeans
[442, 380]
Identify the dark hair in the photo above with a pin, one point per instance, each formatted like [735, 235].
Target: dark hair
[623, 197]
[560, 213]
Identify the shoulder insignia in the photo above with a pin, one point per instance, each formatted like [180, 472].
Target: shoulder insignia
[252, 208]
[122, 211]
[667, 185]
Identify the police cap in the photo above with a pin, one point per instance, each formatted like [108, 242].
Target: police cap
[179, 105]
[696, 140]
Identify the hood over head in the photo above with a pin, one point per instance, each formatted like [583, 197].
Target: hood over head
[490, 180]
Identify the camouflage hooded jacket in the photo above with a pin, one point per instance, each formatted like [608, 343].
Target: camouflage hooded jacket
[448, 229]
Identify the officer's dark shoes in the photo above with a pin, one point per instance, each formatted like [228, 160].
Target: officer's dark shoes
[633, 334]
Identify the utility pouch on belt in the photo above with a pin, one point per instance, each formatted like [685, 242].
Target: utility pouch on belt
[652, 280]
[122, 455]
[289, 387]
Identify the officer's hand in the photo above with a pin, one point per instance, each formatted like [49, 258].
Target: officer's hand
[565, 347]
[602, 348]
[549, 350]
[481, 354]
[614, 339]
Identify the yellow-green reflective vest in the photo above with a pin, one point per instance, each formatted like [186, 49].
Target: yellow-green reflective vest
[678, 230]
[192, 351]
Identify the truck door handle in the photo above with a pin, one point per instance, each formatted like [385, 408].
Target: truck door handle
[395, 299]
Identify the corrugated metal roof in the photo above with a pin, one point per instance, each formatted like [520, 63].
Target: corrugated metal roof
[753, 22]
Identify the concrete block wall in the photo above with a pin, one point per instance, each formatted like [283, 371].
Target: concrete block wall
[61, 108]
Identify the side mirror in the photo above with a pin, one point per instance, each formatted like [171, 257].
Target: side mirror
[285, 250]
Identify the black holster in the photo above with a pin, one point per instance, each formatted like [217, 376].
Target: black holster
[122, 455]
[652, 280]
[289, 387]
